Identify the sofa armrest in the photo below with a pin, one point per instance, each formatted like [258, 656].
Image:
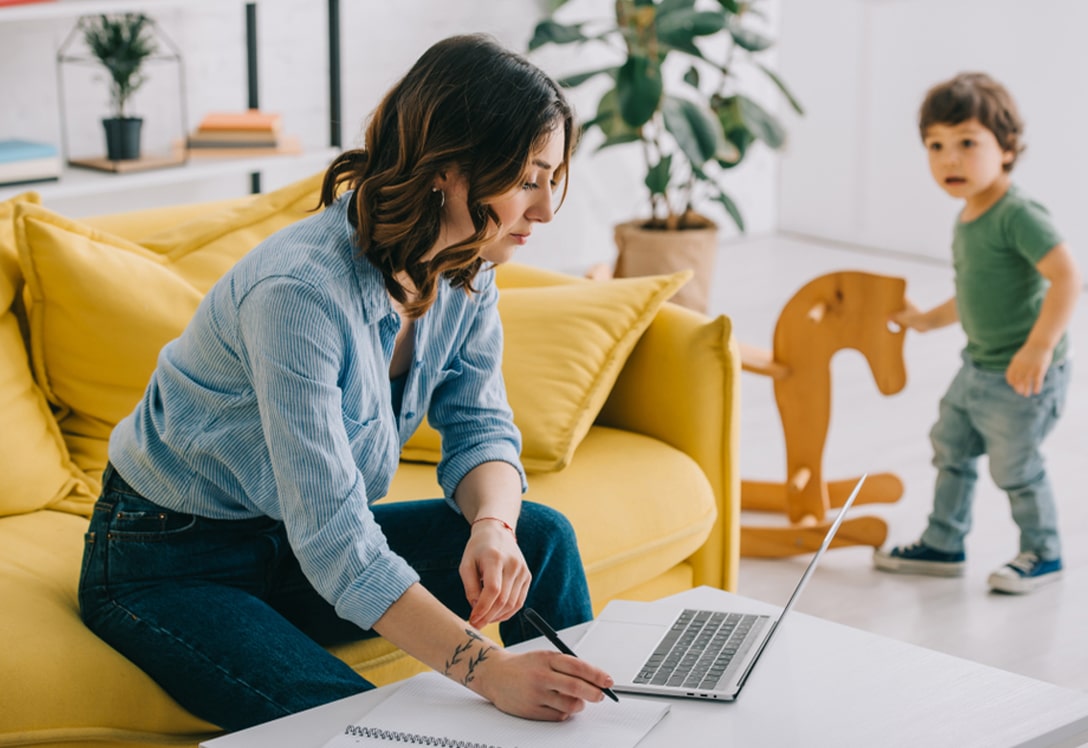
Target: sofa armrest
[681, 385]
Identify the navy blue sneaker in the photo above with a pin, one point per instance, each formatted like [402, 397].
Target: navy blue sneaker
[919, 558]
[1025, 573]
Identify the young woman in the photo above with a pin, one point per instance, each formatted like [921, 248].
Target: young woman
[236, 532]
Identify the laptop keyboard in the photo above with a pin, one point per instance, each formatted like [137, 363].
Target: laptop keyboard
[697, 650]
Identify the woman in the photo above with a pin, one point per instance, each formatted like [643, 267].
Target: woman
[234, 535]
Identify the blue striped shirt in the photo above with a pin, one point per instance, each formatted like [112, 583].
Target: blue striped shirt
[276, 401]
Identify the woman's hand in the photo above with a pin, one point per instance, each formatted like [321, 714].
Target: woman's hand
[494, 573]
[541, 685]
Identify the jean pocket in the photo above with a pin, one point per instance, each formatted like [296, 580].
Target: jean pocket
[137, 519]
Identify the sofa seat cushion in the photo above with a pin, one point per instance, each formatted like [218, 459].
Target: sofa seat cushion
[626, 531]
[68, 678]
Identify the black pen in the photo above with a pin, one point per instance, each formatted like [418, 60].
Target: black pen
[549, 633]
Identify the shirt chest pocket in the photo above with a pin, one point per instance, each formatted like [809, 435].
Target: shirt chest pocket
[374, 446]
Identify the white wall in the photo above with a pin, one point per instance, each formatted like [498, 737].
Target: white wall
[380, 41]
[856, 171]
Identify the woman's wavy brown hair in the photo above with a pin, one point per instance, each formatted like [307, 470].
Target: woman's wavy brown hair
[467, 105]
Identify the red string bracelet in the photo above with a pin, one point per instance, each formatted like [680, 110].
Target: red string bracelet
[502, 522]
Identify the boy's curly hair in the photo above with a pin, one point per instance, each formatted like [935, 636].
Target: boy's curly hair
[975, 96]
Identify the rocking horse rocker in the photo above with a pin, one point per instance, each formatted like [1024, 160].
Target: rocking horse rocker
[832, 312]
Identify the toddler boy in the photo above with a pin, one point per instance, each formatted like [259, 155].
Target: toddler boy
[1016, 286]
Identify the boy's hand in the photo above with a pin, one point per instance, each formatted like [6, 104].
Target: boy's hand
[910, 317]
[1028, 368]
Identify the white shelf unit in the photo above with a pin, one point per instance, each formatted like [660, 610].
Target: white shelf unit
[76, 182]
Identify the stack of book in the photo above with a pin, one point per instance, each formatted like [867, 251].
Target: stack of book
[27, 161]
[250, 132]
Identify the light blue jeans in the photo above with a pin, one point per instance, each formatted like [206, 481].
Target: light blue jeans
[981, 414]
[219, 613]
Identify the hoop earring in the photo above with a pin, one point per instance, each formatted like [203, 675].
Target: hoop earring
[441, 197]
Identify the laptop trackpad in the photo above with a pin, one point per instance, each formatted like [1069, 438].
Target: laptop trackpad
[624, 636]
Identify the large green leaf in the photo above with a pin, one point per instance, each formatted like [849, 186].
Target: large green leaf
[611, 123]
[761, 122]
[679, 29]
[730, 6]
[731, 208]
[697, 131]
[657, 177]
[639, 89]
[689, 22]
[753, 41]
[552, 32]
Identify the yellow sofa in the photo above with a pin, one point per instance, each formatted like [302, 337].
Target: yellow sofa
[628, 406]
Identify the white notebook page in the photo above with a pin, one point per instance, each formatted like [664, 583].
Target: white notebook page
[431, 706]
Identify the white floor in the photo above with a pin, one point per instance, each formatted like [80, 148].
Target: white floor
[1043, 635]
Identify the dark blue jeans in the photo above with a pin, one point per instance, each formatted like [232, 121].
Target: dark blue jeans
[220, 615]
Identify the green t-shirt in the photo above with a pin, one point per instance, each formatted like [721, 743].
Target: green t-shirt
[998, 289]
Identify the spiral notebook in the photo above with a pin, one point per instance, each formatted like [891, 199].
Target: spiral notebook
[430, 709]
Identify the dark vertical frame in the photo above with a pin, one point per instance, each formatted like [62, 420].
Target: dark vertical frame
[335, 124]
[335, 83]
[252, 84]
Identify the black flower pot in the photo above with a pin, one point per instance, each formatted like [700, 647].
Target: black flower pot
[122, 138]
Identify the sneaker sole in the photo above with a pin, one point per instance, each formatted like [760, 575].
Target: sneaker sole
[1023, 585]
[929, 568]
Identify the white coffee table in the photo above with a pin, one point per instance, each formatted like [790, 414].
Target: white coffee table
[820, 684]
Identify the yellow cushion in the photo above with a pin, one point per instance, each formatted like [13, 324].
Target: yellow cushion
[102, 307]
[202, 249]
[139, 225]
[564, 347]
[33, 459]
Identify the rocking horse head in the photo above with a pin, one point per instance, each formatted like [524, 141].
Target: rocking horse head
[847, 309]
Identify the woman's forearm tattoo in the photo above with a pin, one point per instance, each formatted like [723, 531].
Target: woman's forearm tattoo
[462, 653]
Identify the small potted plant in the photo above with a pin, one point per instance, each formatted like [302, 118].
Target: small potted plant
[121, 43]
[675, 89]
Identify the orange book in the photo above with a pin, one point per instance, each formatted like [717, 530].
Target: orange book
[253, 119]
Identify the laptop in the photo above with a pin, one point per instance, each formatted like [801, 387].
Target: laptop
[649, 648]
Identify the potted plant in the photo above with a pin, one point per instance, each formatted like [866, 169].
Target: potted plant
[121, 43]
[674, 90]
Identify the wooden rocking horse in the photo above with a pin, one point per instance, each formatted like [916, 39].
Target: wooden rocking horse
[835, 311]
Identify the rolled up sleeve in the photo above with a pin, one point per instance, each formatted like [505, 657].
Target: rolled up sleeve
[469, 408]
